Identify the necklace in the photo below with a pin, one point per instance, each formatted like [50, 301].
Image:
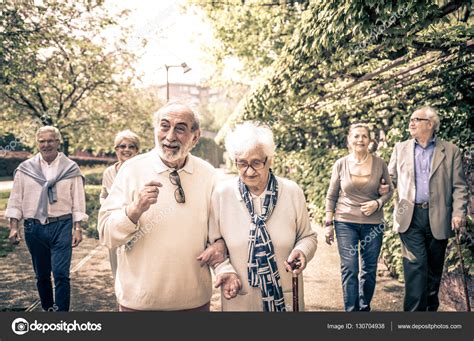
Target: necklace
[360, 162]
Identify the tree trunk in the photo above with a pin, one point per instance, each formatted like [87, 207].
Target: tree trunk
[66, 145]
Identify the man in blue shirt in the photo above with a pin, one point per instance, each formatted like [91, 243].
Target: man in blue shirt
[432, 202]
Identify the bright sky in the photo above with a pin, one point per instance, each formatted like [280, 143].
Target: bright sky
[173, 38]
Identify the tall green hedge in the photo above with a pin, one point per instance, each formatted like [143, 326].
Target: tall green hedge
[370, 61]
[92, 209]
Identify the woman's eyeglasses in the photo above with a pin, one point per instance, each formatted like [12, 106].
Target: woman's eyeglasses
[129, 146]
[179, 192]
[254, 164]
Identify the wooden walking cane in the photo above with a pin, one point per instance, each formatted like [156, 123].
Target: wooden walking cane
[295, 265]
[466, 292]
[295, 293]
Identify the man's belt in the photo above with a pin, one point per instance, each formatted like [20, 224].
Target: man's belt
[423, 205]
[52, 219]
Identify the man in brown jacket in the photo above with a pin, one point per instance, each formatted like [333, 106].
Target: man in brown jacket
[432, 202]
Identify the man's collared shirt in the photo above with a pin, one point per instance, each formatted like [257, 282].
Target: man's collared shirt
[25, 195]
[423, 158]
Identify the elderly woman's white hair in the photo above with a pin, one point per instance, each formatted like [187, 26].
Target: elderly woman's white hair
[49, 129]
[431, 114]
[129, 135]
[247, 136]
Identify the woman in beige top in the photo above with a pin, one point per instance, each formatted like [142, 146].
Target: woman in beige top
[127, 145]
[354, 207]
[265, 224]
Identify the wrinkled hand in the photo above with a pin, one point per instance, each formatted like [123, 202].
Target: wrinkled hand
[147, 196]
[383, 188]
[329, 234]
[214, 254]
[299, 259]
[76, 237]
[368, 207]
[457, 223]
[14, 236]
[231, 284]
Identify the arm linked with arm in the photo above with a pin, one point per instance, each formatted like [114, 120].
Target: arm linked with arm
[215, 235]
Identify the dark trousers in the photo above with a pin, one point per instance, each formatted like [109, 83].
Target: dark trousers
[50, 247]
[423, 260]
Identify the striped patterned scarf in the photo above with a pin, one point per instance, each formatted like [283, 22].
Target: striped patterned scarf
[262, 267]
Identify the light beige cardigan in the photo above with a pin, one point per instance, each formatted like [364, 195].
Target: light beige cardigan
[289, 227]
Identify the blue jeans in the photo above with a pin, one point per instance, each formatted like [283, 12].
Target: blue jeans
[50, 247]
[358, 288]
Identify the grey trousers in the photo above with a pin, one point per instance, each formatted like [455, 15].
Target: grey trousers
[423, 260]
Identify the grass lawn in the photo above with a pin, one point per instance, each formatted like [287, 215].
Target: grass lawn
[4, 195]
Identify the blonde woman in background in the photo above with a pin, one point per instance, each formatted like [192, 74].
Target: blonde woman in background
[127, 145]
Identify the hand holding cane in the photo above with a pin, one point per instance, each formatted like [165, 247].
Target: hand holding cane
[295, 265]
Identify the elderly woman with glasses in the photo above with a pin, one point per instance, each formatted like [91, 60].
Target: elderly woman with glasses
[264, 222]
[354, 207]
[127, 145]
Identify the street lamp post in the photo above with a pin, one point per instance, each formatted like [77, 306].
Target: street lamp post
[185, 67]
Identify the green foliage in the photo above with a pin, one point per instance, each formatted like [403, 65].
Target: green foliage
[5, 246]
[10, 142]
[92, 209]
[208, 150]
[371, 61]
[254, 31]
[56, 68]
[8, 165]
[93, 175]
[391, 247]
[4, 195]
[311, 176]
[466, 242]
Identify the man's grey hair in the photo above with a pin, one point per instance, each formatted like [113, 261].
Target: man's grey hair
[175, 107]
[49, 129]
[431, 114]
[248, 136]
[129, 135]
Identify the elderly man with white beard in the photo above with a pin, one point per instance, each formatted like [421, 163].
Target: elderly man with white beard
[157, 215]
